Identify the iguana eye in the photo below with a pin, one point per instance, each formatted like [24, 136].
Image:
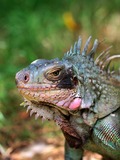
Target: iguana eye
[54, 74]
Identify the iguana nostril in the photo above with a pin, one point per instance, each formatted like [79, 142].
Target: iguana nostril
[22, 77]
[26, 78]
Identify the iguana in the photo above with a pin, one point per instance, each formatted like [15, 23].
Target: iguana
[81, 94]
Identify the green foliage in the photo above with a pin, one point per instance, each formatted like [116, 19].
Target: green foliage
[34, 29]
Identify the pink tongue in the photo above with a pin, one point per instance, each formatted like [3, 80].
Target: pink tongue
[75, 104]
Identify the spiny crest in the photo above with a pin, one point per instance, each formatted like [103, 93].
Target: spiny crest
[39, 111]
[77, 48]
[103, 60]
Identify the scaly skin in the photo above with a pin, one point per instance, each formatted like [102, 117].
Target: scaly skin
[81, 95]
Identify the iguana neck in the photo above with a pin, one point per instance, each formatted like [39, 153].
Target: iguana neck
[109, 98]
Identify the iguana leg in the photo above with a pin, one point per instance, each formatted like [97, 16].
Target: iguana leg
[72, 153]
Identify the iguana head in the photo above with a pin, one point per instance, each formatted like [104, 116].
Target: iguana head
[76, 82]
[48, 82]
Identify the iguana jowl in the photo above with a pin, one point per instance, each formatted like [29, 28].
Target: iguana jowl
[81, 95]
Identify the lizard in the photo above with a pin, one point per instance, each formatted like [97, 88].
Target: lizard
[81, 94]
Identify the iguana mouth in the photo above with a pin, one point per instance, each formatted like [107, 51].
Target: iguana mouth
[51, 98]
[36, 87]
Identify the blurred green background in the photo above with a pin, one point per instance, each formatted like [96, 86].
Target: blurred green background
[32, 29]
